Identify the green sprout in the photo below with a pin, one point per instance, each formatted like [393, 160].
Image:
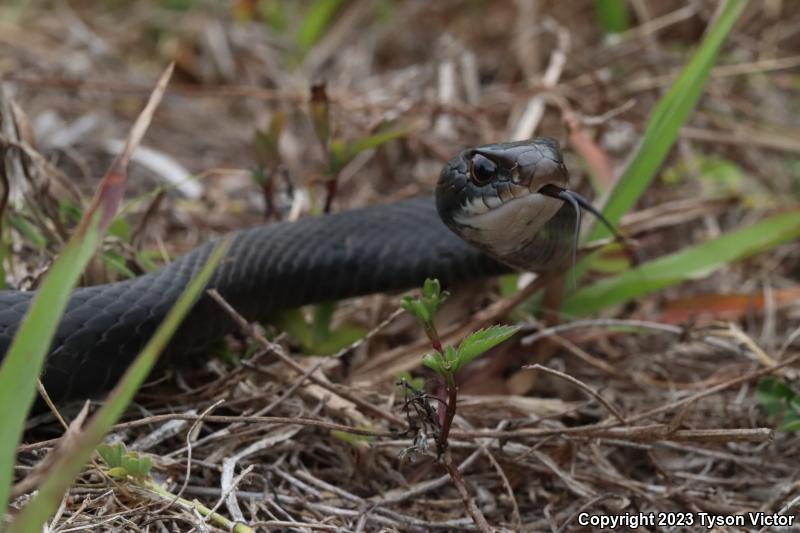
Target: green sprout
[448, 361]
[780, 401]
[470, 348]
[425, 307]
[122, 463]
[130, 467]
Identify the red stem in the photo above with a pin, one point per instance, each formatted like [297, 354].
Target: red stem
[449, 415]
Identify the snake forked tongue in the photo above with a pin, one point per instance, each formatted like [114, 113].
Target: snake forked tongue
[577, 202]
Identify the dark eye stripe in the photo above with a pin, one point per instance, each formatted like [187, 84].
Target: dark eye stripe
[482, 169]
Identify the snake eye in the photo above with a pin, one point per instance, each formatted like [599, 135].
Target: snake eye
[483, 169]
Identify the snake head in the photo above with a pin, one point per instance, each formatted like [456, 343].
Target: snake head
[489, 196]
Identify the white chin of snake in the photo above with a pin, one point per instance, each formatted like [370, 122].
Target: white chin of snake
[506, 227]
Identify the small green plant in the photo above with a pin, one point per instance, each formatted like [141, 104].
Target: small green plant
[447, 361]
[124, 464]
[780, 402]
[130, 467]
[472, 347]
[22, 363]
[425, 307]
[318, 336]
[340, 151]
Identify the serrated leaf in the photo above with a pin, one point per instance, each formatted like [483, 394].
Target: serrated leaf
[481, 341]
[130, 462]
[69, 213]
[149, 260]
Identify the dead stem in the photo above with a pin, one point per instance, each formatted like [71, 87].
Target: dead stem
[466, 497]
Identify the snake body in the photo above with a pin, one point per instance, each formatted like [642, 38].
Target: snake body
[276, 267]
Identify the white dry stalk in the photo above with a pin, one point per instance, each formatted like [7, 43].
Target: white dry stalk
[165, 167]
[532, 115]
[228, 466]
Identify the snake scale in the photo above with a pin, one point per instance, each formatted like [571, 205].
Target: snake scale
[488, 196]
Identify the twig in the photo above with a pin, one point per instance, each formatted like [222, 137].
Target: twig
[47, 400]
[253, 333]
[602, 322]
[619, 322]
[228, 491]
[581, 385]
[646, 433]
[371, 333]
[578, 488]
[188, 471]
[484, 446]
[425, 486]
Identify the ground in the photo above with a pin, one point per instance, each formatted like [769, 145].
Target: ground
[652, 405]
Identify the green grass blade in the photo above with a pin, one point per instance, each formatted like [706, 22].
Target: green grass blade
[23, 362]
[342, 152]
[80, 448]
[612, 15]
[315, 22]
[386, 133]
[667, 119]
[692, 263]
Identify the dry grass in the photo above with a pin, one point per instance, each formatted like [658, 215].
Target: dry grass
[659, 419]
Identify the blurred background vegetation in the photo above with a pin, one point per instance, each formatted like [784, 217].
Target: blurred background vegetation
[280, 108]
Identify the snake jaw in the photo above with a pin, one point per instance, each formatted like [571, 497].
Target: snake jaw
[504, 230]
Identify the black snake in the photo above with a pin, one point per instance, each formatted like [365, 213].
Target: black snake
[492, 196]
